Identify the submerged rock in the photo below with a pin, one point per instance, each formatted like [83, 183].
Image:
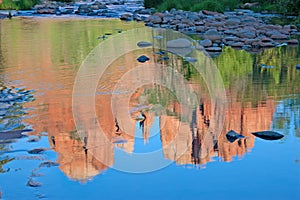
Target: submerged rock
[36, 151]
[179, 43]
[268, 135]
[33, 183]
[15, 134]
[143, 44]
[233, 136]
[48, 164]
[143, 59]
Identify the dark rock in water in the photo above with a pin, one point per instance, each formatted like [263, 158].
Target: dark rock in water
[298, 66]
[33, 139]
[48, 164]
[143, 59]
[15, 134]
[233, 136]
[268, 135]
[160, 52]
[143, 44]
[164, 58]
[36, 151]
[33, 183]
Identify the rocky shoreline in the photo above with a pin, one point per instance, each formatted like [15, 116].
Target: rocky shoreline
[241, 29]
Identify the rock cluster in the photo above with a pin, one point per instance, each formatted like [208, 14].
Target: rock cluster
[236, 29]
[125, 10]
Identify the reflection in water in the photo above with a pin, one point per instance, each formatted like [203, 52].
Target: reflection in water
[258, 98]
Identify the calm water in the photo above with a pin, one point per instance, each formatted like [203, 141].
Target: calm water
[39, 61]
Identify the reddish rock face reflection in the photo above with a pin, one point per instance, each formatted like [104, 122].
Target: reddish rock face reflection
[82, 158]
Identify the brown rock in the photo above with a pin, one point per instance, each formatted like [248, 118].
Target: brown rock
[206, 12]
[155, 19]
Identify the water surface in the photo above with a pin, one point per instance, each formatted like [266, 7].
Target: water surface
[39, 59]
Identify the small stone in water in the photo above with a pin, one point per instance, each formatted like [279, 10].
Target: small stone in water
[158, 37]
[232, 136]
[33, 183]
[33, 140]
[143, 44]
[164, 58]
[143, 59]
[48, 164]
[36, 151]
[268, 135]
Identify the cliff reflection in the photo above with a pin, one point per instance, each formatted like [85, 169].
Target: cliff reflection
[253, 98]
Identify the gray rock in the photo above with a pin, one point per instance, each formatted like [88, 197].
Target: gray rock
[143, 44]
[279, 37]
[238, 44]
[212, 35]
[293, 41]
[155, 19]
[266, 39]
[214, 49]
[234, 21]
[127, 17]
[48, 164]
[33, 183]
[205, 43]
[246, 34]
[233, 136]
[179, 43]
[180, 51]
[266, 44]
[235, 39]
[268, 135]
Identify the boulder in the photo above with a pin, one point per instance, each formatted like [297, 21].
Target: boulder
[234, 21]
[205, 43]
[246, 34]
[155, 19]
[212, 35]
[179, 43]
[127, 17]
[268, 135]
